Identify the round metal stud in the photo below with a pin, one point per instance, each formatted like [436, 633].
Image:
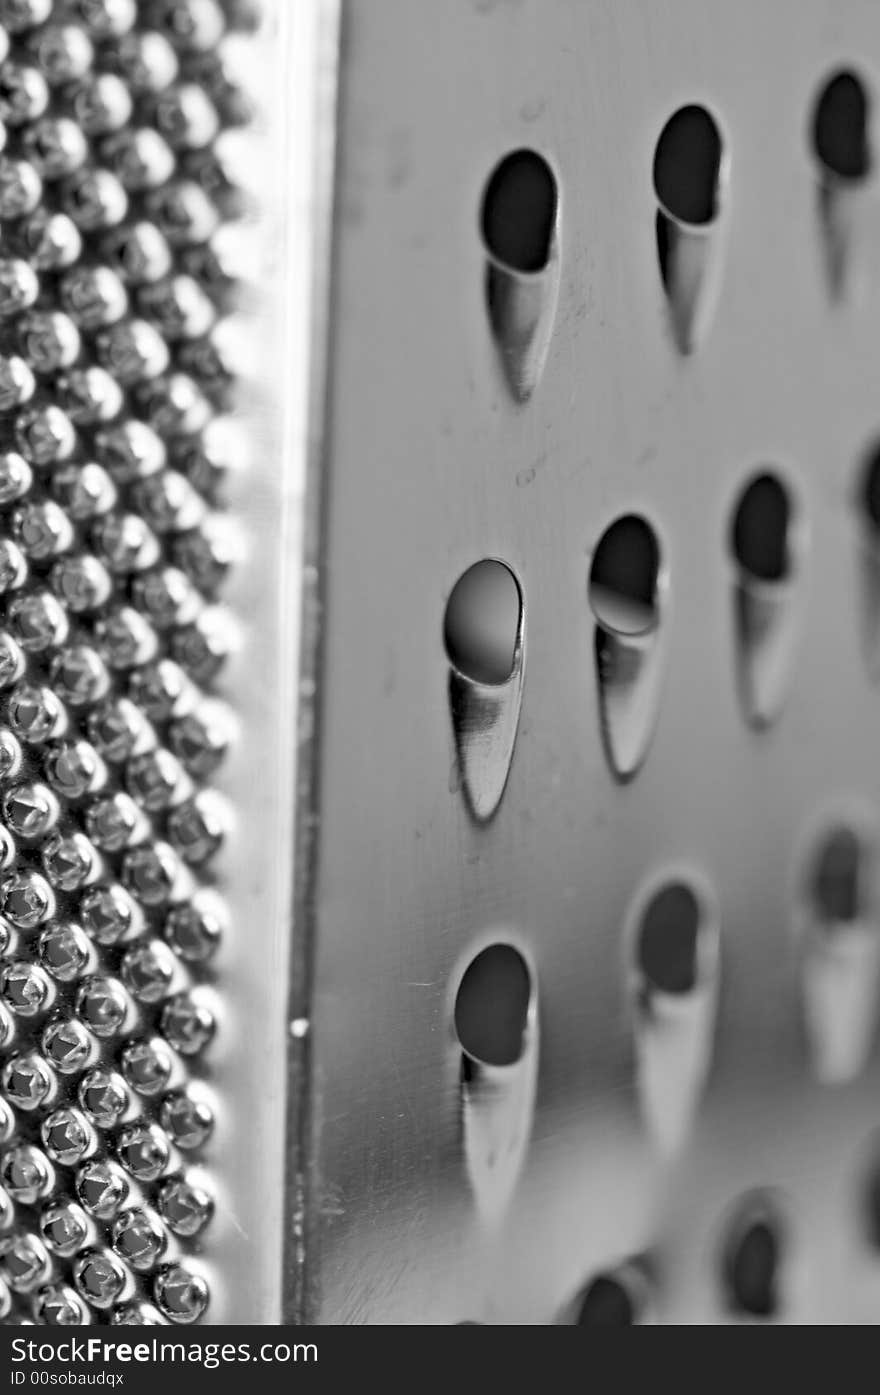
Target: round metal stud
[167, 597]
[13, 566]
[25, 988]
[39, 621]
[115, 822]
[64, 1227]
[126, 638]
[19, 287]
[16, 476]
[24, 93]
[180, 1294]
[126, 543]
[20, 188]
[70, 862]
[139, 1238]
[119, 729]
[153, 873]
[103, 1096]
[93, 198]
[85, 491]
[188, 1121]
[163, 690]
[81, 583]
[62, 52]
[185, 1207]
[67, 1045]
[79, 675]
[26, 900]
[42, 530]
[17, 386]
[28, 1082]
[30, 810]
[48, 340]
[103, 1005]
[45, 435]
[55, 146]
[147, 1065]
[35, 714]
[101, 104]
[10, 755]
[67, 1136]
[26, 1173]
[145, 59]
[194, 930]
[93, 296]
[100, 1278]
[148, 971]
[198, 827]
[187, 1025]
[140, 158]
[102, 1188]
[138, 252]
[90, 395]
[65, 952]
[133, 351]
[25, 1263]
[143, 1150]
[179, 306]
[74, 769]
[156, 780]
[12, 661]
[51, 241]
[60, 1306]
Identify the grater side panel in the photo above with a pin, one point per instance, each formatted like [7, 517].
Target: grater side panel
[433, 466]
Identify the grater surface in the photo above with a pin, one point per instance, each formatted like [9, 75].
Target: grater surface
[682, 1136]
[133, 1135]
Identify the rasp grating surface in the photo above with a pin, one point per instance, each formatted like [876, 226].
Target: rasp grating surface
[113, 389]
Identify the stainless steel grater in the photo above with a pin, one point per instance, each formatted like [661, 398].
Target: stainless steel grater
[587, 898]
[439, 498]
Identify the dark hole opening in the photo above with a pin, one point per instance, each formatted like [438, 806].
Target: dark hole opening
[687, 166]
[871, 491]
[606, 1303]
[840, 127]
[669, 938]
[761, 528]
[482, 622]
[751, 1269]
[837, 883]
[623, 577]
[519, 211]
[872, 1207]
[492, 1007]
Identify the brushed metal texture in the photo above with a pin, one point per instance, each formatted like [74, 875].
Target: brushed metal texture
[431, 463]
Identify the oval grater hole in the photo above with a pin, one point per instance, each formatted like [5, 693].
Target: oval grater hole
[840, 134]
[669, 940]
[623, 586]
[483, 622]
[687, 166]
[760, 535]
[869, 500]
[839, 890]
[519, 211]
[870, 1198]
[615, 1298]
[752, 1260]
[492, 1006]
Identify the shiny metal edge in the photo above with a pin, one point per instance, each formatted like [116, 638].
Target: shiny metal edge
[314, 50]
